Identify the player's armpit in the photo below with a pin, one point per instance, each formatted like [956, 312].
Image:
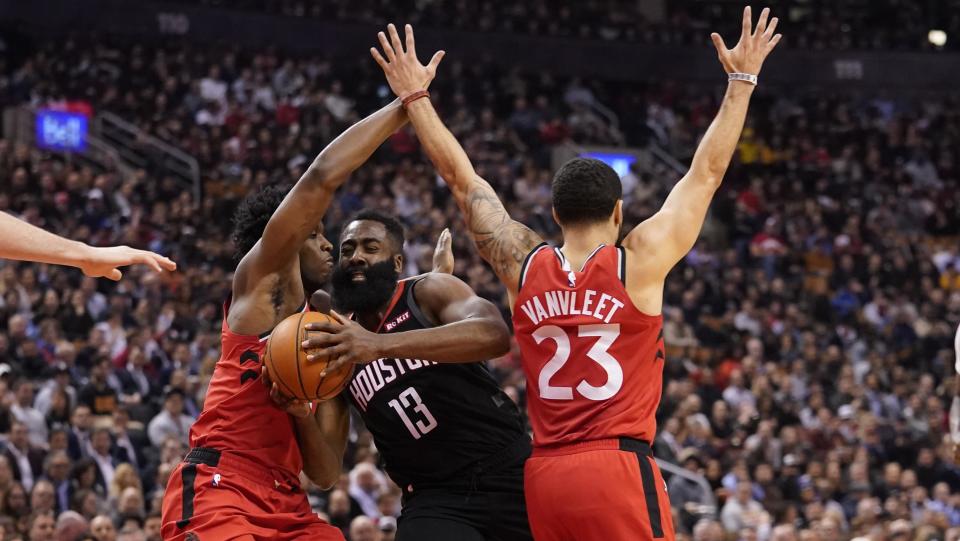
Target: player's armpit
[667, 236]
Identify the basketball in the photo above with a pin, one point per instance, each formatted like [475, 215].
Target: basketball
[287, 363]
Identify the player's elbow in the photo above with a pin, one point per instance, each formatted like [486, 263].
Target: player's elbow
[498, 342]
[324, 478]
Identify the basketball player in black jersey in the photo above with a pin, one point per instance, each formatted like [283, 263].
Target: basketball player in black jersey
[448, 435]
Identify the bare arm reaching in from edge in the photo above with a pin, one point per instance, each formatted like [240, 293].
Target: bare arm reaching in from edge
[502, 241]
[661, 241]
[22, 241]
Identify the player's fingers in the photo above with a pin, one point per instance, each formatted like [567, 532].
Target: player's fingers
[435, 61]
[718, 43]
[771, 27]
[747, 23]
[114, 275]
[395, 38]
[153, 261]
[320, 342]
[387, 48]
[323, 326]
[338, 317]
[411, 45]
[762, 21]
[333, 351]
[773, 42]
[337, 362]
[378, 57]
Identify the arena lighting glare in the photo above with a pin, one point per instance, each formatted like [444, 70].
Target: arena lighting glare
[937, 37]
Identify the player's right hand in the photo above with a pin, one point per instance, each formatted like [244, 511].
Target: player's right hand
[100, 262]
[443, 253]
[405, 74]
[748, 54]
[298, 408]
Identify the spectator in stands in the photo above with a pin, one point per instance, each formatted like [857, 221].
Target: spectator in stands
[363, 528]
[42, 526]
[101, 451]
[24, 412]
[171, 422]
[97, 393]
[57, 470]
[103, 529]
[128, 445]
[70, 526]
[742, 511]
[25, 460]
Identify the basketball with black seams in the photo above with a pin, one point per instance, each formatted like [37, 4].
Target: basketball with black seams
[287, 363]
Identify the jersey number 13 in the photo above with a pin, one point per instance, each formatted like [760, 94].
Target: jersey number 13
[411, 399]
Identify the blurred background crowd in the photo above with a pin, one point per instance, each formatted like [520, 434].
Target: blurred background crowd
[809, 333]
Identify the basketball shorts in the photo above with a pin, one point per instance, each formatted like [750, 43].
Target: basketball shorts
[602, 490]
[214, 496]
[486, 503]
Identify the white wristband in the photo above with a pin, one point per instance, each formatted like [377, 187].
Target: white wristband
[745, 77]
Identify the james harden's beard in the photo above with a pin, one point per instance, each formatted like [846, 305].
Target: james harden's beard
[366, 296]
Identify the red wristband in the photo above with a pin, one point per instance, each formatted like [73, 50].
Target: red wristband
[413, 96]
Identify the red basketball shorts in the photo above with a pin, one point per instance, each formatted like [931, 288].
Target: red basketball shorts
[603, 490]
[220, 498]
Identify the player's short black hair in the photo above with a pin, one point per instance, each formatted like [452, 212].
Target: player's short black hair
[252, 215]
[394, 228]
[585, 191]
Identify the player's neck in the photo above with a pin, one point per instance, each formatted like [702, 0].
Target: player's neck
[579, 242]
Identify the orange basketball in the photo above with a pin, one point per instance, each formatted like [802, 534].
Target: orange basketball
[287, 363]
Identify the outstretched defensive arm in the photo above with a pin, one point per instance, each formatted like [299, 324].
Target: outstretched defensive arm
[669, 234]
[303, 208]
[22, 241]
[502, 241]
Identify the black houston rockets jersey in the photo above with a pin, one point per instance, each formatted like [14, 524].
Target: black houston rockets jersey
[429, 420]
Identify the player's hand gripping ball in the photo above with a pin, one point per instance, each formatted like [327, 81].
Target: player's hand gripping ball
[287, 365]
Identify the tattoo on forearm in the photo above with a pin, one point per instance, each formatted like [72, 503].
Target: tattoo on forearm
[503, 242]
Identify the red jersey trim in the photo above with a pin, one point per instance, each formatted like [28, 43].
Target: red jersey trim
[397, 293]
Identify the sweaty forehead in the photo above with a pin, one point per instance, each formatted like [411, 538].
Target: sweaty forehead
[363, 230]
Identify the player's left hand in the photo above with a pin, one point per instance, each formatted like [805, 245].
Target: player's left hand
[405, 74]
[298, 408]
[748, 54]
[344, 341]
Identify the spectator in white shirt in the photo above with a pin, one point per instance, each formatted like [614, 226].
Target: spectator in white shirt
[171, 421]
[24, 412]
[101, 448]
[212, 87]
[366, 487]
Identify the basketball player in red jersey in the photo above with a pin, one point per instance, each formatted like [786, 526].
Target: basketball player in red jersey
[587, 314]
[240, 480]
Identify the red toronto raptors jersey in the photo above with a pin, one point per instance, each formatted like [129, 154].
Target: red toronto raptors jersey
[238, 415]
[593, 361]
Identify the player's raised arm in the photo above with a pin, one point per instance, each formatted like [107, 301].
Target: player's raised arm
[502, 241]
[668, 235]
[22, 241]
[449, 302]
[303, 208]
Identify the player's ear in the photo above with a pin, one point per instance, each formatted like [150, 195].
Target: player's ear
[398, 263]
[618, 213]
[553, 212]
